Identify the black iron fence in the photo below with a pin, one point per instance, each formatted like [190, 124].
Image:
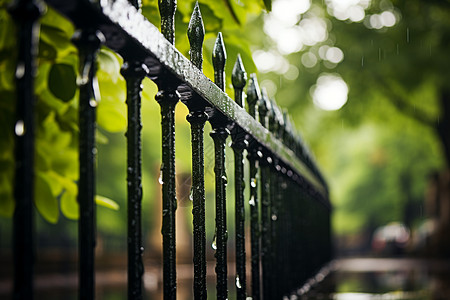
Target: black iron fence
[288, 202]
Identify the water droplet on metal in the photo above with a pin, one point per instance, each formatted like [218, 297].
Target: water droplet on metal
[214, 243]
[191, 194]
[253, 182]
[164, 212]
[82, 80]
[160, 179]
[238, 282]
[19, 128]
[274, 217]
[20, 70]
[224, 178]
[93, 103]
[259, 153]
[252, 201]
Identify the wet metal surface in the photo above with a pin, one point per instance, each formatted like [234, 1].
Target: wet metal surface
[134, 72]
[128, 29]
[25, 13]
[88, 42]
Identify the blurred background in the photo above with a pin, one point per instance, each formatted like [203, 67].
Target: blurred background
[366, 83]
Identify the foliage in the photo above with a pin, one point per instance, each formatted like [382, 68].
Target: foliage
[383, 137]
[397, 76]
[56, 95]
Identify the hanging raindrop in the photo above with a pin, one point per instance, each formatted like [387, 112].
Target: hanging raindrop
[238, 282]
[253, 182]
[191, 194]
[274, 217]
[93, 103]
[20, 70]
[20, 128]
[160, 179]
[252, 201]
[214, 242]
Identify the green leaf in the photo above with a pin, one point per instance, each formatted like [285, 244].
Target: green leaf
[62, 81]
[106, 202]
[109, 63]
[46, 203]
[111, 118]
[69, 206]
[268, 4]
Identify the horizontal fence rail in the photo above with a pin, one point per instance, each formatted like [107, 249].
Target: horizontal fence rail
[290, 237]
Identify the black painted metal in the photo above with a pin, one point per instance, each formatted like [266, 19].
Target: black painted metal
[238, 136]
[219, 135]
[167, 98]
[88, 42]
[197, 118]
[253, 96]
[25, 13]
[134, 72]
[266, 194]
[294, 222]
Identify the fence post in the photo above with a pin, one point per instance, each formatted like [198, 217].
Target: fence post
[88, 41]
[25, 13]
[239, 78]
[266, 192]
[197, 118]
[253, 96]
[219, 135]
[168, 97]
[134, 72]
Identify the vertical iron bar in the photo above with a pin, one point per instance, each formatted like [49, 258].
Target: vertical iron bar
[197, 121]
[197, 118]
[253, 96]
[239, 78]
[88, 42]
[219, 135]
[25, 13]
[265, 225]
[265, 161]
[168, 97]
[134, 72]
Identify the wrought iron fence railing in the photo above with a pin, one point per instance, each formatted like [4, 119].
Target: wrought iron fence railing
[289, 207]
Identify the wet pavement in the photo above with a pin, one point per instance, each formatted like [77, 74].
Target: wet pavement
[381, 279]
[343, 279]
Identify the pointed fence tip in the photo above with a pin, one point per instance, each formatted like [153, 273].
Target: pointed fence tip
[253, 91]
[196, 35]
[219, 56]
[167, 10]
[239, 76]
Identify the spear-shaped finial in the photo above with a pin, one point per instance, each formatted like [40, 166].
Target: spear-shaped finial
[167, 11]
[287, 128]
[253, 94]
[219, 58]
[239, 79]
[279, 121]
[264, 107]
[239, 76]
[272, 117]
[196, 34]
